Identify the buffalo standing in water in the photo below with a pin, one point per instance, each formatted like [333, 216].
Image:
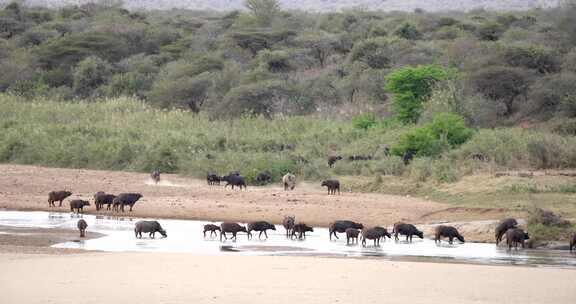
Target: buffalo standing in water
[502, 227]
[57, 196]
[212, 228]
[516, 236]
[301, 230]
[408, 230]
[288, 223]
[150, 227]
[233, 228]
[341, 226]
[82, 225]
[260, 226]
[447, 231]
[375, 234]
[352, 235]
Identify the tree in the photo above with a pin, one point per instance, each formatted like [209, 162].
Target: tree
[275, 61]
[189, 92]
[321, 45]
[408, 31]
[532, 57]
[263, 10]
[501, 84]
[373, 52]
[411, 86]
[90, 74]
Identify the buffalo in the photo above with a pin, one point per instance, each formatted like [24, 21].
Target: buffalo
[125, 199]
[289, 181]
[341, 226]
[150, 227]
[447, 231]
[57, 196]
[82, 225]
[332, 160]
[78, 205]
[288, 223]
[408, 156]
[352, 234]
[502, 227]
[263, 178]
[515, 236]
[233, 228]
[101, 199]
[573, 242]
[375, 234]
[212, 228]
[234, 180]
[212, 179]
[301, 230]
[260, 226]
[332, 185]
[408, 230]
[155, 175]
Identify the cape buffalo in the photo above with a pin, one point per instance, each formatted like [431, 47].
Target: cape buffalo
[332, 185]
[260, 226]
[234, 180]
[212, 228]
[573, 242]
[78, 205]
[125, 199]
[233, 228]
[155, 175]
[375, 234]
[301, 229]
[288, 223]
[447, 231]
[150, 227]
[516, 236]
[263, 178]
[502, 227]
[332, 160]
[57, 196]
[341, 226]
[82, 225]
[101, 199]
[289, 181]
[212, 178]
[408, 230]
[352, 234]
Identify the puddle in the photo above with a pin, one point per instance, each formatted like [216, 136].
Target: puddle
[186, 237]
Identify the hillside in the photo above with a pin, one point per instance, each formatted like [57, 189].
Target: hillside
[324, 5]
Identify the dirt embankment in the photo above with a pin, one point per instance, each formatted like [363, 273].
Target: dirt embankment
[27, 187]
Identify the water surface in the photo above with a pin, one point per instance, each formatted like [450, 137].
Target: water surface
[186, 237]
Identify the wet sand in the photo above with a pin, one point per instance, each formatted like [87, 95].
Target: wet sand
[39, 240]
[184, 278]
[26, 188]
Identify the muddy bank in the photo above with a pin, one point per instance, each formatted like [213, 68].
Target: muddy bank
[26, 188]
[39, 240]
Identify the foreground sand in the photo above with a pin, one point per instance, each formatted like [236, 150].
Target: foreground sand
[27, 187]
[184, 278]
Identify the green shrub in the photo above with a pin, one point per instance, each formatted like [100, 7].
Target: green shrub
[90, 74]
[408, 31]
[411, 86]
[364, 121]
[532, 57]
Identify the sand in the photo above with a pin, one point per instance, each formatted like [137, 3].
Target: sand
[27, 187]
[183, 278]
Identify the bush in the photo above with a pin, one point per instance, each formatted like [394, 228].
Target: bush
[364, 121]
[373, 52]
[500, 84]
[490, 31]
[547, 93]
[408, 31]
[90, 74]
[532, 57]
[411, 86]
[446, 131]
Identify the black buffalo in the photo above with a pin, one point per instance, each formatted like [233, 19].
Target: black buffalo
[447, 232]
[288, 223]
[150, 227]
[234, 180]
[125, 199]
[78, 205]
[263, 178]
[301, 230]
[155, 175]
[82, 225]
[101, 199]
[503, 226]
[233, 228]
[341, 226]
[375, 234]
[212, 178]
[332, 185]
[259, 226]
[352, 235]
[332, 160]
[212, 228]
[408, 230]
[57, 196]
[516, 236]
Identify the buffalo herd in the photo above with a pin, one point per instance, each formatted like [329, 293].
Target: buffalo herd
[506, 228]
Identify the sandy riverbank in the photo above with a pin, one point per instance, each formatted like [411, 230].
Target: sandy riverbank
[183, 278]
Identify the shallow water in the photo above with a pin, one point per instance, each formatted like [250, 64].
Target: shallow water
[186, 236]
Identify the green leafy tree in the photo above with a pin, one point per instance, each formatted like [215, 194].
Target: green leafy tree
[90, 74]
[411, 87]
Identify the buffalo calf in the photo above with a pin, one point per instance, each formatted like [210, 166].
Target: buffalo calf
[212, 228]
[352, 235]
[301, 230]
[82, 225]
